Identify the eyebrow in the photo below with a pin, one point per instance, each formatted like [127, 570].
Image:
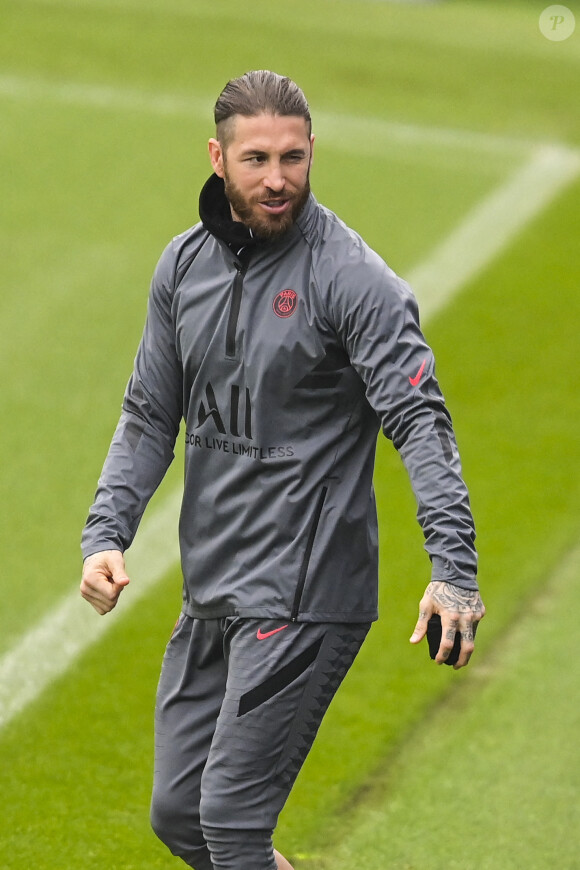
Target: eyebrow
[257, 152]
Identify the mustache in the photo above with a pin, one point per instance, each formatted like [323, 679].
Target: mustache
[276, 195]
[282, 195]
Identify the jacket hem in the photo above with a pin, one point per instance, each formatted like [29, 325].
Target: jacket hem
[201, 612]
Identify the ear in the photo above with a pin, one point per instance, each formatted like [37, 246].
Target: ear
[217, 157]
[311, 149]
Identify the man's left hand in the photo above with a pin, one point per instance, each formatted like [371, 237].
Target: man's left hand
[459, 610]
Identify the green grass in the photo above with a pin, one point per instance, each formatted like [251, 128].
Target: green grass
[520, 444]
[501, 777]
[78, 782]
[90, 198]
[491, 778]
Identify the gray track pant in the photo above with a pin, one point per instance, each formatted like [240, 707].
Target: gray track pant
[238, 706]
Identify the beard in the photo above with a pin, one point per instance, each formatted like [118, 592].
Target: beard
[267, 227]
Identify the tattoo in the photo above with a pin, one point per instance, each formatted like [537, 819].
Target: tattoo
[453, 598]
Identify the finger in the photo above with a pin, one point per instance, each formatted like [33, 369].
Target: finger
[118, 572]
[97, 603]
[104, 574]
[420, 629]
[467, 647]
[449, 627]
[101, 605]
[468, 629]
[114, 569]
[109, 564]
[102, 593]
[98, 585]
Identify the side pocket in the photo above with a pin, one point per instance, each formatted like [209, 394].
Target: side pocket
[280, 680]
[307, 553]
[173, 640]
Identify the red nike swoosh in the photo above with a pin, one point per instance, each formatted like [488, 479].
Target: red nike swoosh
[262, 635]
[414, 381]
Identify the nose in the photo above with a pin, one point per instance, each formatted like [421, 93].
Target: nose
[274, 178]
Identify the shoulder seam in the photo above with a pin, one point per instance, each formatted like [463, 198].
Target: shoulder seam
[313, 246]
[181, 266]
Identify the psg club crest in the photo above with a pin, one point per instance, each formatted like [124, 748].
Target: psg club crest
[285, 303]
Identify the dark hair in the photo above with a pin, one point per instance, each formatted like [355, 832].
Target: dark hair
[257, 92]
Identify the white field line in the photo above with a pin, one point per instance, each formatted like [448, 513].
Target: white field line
[112, 99]
[492, 224]
[342, 131]
[511, 652]
[49, 648]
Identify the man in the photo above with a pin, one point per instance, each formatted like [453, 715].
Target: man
[285, 344]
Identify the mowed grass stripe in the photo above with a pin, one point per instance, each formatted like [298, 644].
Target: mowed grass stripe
[490, 780]
[345, 131]
[492, 225]
[507, 353]
[46, 651]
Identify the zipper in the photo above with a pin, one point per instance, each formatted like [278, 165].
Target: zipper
[235, 305]
[308, 554]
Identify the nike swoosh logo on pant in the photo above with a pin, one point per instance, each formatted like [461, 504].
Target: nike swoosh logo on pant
[262, 635]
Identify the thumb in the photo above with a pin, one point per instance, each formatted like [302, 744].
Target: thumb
[115, 564]
[420, 629]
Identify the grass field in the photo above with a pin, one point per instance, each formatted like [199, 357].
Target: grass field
[438, 128]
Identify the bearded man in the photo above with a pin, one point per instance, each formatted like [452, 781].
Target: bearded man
[285, 344]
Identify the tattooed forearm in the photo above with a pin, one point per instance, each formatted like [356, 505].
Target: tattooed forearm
[451, 597]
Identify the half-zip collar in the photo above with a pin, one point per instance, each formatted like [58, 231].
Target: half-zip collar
[216, 216]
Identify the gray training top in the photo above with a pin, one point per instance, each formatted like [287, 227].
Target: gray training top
[284, 359]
